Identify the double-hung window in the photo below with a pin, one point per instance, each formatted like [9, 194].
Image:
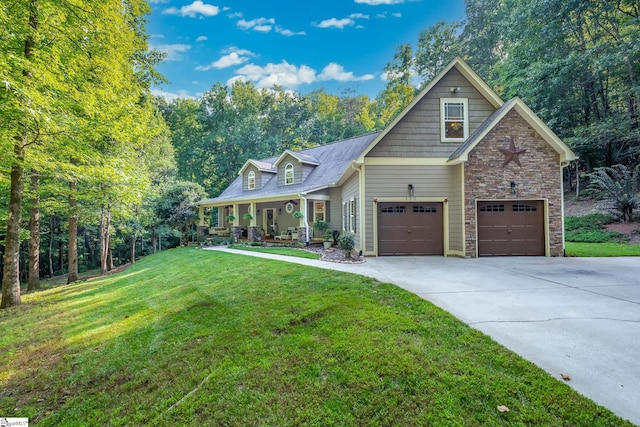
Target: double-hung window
[454, 123]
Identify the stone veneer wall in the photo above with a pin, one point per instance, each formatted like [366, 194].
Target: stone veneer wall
[538, 178]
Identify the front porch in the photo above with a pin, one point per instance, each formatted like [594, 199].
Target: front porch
[267, 221]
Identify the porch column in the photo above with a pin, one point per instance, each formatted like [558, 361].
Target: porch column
[252, 211]
[220, 222]
[201, 215]
[236, 214]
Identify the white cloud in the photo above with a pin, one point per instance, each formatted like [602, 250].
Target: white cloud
[172, 51]
[171, 96]
[336, 23]
[289, 33]
[289, 76]
[234, 57]
[335, 71]
[379, 2]
[258, 24]
[284, 74]
[358, 16]
[193, 10]
[202, 38]
[397, 15]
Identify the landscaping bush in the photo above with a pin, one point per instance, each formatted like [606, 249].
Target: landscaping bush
[590, 229]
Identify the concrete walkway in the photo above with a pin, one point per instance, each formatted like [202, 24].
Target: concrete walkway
[575, 316]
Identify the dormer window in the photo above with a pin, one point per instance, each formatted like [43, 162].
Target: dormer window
[454, 119]
[251, 180]
[288, 174]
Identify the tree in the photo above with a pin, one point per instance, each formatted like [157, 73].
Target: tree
[176, 205]
[621, 185]
[67, 78]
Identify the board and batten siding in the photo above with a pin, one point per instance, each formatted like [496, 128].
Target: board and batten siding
[418, 133]
[428, 181]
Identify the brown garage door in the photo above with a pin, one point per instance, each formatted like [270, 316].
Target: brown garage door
[510, 228]
[410, 229]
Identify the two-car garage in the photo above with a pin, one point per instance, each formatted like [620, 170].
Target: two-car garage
[504, 228]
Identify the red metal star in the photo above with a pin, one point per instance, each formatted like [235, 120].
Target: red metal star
[512, 153]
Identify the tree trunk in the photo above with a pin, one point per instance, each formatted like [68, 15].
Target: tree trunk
[133, 248]
[72, 276]
[154, 237]
[51, 224]
[34, 235]
[103, 242]
[11, 270]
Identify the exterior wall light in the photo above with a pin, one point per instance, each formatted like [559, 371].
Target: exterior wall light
[411, 190]
[514, 188]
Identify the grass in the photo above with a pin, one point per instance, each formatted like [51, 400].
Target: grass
[601, 249]
[191, 337]
[591, 229]
[300, 253]
[586, 236]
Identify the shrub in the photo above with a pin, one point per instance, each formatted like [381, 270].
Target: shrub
[590, 229]
[621, 185]
[347, 243]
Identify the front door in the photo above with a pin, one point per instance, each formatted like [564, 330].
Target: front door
[269, 221]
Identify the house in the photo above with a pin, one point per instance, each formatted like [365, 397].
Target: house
[459, 172]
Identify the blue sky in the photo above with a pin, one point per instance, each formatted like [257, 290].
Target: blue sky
[300, 45]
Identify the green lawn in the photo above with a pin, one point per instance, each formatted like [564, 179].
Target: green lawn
[193, 337]
[601, 249]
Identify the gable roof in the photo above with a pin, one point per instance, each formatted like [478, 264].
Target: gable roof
[462, 152]
[463, 69]
[333, 163]
[301, 156]
[261, 165]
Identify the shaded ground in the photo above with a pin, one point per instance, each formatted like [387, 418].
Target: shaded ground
[584, 207]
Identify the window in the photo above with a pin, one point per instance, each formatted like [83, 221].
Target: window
[251, 180]
[524, 208]
[492, 208]
[424, 209]
[455, 119]
[393, 209]
[319, 211]
[349, 216]
[352, 215]
[288, 174]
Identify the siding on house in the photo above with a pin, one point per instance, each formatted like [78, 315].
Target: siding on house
[297, 170]
[418, 134]
[351, 188]
[428, 181]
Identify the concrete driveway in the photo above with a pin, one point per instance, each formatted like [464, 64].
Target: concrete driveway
[575, 316]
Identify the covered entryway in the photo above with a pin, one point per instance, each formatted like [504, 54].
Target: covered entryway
[507, 228]
[414, 228]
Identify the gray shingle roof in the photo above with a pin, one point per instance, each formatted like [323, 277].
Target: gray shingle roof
[480, 130]
[333, 160]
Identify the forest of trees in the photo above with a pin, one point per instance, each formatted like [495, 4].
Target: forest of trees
[94, 171]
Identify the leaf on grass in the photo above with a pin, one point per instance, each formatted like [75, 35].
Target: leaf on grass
[96, 348]
[565, 377]
[502, 408]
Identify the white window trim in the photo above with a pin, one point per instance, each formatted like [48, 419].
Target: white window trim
[352, 215]
[289, 166]
[251, 178]
[465, 103]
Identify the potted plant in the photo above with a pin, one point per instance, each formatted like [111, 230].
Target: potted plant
[328, 239]
[230, 218]
[347, 243]
[247, 216]
[298, 214]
